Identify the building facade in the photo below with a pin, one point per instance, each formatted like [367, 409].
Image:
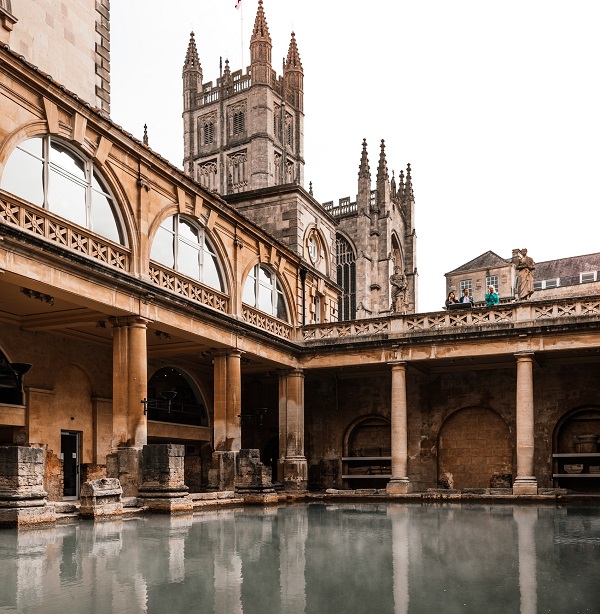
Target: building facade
[139, 307]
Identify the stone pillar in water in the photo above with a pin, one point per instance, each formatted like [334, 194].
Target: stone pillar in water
[525, 482]
[399, 482]
[23, 501]
[163, 488]
[101, 498]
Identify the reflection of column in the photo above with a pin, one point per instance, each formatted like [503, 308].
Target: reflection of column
[228, 581]
[399, 518]
[399, 483]
[293, 529]
[291, 428]
[220, 401]
[179, 528]
[234, 400]
[34, 567]
[525, 482]
[526, 519]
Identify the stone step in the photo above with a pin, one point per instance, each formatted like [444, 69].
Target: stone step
[66, 507]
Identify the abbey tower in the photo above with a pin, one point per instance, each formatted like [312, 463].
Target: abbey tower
[244, 139]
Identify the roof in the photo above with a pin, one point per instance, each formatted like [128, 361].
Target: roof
[567, 267]
[488, 260]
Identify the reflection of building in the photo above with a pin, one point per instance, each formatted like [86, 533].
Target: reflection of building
[559, 278]
[123, 280]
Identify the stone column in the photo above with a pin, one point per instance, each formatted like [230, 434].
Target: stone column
[234, 400]
[220, 401]
[130, 381]
[137, 423]
[291, 429]
[399, 483]
[525, 482]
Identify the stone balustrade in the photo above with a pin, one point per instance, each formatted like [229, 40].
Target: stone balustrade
[503, 317]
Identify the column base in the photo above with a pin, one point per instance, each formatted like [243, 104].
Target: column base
[398, 486]
[295, 473]
[526, 485]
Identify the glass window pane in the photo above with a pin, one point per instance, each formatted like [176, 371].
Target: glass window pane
[248, 296]
[98, 184]
[210, 271]
[188, 231]
[169, 224]
[23, 177]
[66, 198]
[62, 157]
[103, 219]
[265, 300]
[33, 146]
[281, 310]
[188, 260]
[265, 277]
[162, 248]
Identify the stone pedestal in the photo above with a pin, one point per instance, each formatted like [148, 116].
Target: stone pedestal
[295, 473]
[221, 476]
[398, 486]
[253, 479]
[101, 498]
[124, 465]
[23, 501]
[163, 488]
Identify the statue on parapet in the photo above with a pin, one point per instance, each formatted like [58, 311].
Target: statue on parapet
[525, 267]
[399, 285]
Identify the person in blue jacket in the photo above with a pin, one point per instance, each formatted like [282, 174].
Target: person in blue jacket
[465, 298]
[491, 298]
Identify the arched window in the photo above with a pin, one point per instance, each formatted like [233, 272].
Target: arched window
[182, 245]
[238, 123]
[263, 290]
[47, 173]
[346, 278]
[185, 408]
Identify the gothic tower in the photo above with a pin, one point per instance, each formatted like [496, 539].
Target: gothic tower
[246, 132]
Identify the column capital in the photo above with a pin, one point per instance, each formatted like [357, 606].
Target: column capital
[398, 365]
[121, 321]
[299, 372]
[524, 356]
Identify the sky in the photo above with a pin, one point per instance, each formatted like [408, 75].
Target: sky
[496, 106]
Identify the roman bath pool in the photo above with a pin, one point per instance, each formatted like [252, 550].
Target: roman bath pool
[316, 558]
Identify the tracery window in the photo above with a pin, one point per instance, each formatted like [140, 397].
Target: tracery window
[182, 245]
[207, 175]
[263, 290]
[237, 170]
[346, 278]
[49, 174]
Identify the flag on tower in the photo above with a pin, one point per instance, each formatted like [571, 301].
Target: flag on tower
[238, 3]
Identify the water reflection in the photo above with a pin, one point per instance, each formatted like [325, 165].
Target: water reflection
[312, 559]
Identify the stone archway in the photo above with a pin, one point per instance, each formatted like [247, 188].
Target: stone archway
[474, 450]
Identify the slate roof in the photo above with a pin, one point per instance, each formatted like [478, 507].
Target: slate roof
[567, 268]
[488, 260]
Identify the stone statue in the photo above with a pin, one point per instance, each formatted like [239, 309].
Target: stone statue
[399, 285]
[525, 267]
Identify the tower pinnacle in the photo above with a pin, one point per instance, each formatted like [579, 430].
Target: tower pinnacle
[191, 57]
[364, 172]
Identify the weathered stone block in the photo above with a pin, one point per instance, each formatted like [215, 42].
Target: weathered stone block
[221, 476]
[124, 465]
[101, 498]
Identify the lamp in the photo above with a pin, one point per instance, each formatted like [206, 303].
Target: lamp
[167, 395]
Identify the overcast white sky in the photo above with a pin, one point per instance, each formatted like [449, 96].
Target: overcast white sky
[496, 105]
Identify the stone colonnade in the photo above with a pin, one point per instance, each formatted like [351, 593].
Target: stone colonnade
[525, 482]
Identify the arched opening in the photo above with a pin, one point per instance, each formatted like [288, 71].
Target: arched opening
[474, 450]
[366, 456]
[576, 450]
[50, 174]
[185, 408]
[264, 291]
[181, 244]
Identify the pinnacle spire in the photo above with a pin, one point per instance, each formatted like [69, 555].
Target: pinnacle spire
[261, 29]
[364, 171]
[408, 189]
[145, 138]
[382, 170]
[191, 57]
[401, 185]
[293, 61]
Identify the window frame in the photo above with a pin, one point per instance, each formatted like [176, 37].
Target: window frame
[489, 281]
[92, 183]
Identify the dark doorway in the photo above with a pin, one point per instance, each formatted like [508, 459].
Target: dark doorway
[69, 453]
